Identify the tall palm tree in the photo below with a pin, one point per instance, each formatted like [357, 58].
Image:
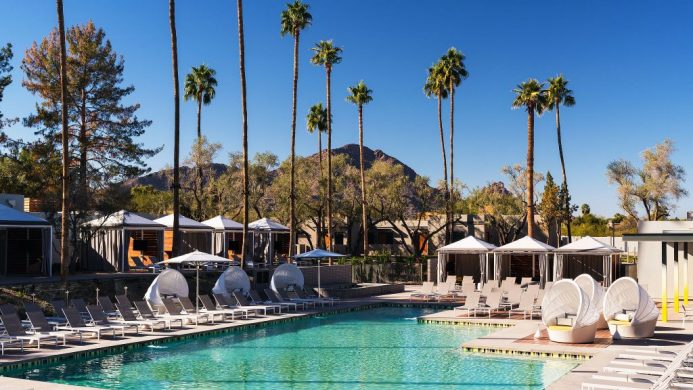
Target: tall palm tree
[200, 86]
[558, 94]
[294, 19]
[435, 86]
[246, 183]
[64, 239]
[454, 71]
[316, 121]
[359, 94]
[531, 96]
[176, 129]
[326, 54]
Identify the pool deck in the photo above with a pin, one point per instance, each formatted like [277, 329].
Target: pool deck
[513, 337]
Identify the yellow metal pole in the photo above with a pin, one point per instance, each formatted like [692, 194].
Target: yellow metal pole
[676, 277]
[664, 282]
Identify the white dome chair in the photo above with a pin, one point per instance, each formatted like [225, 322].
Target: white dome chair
[286, 275]
[232, 279]
[169, 282]
[629, 310]
[567, 314]
[595, 292]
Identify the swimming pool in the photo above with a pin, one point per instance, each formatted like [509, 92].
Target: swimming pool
[383, 347]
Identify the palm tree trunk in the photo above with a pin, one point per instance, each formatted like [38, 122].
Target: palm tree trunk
[445, 170]
[199, 116]
[565, 177]
[320, 152]
[321, 238]
[64, 239]
[452, 165]
[364, 206]
[246, 184]
[329, 161]
[176, 129]
[530, 171]
[292, 194]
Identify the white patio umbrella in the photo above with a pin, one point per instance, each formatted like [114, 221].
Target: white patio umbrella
[318, 254]
[197, 259]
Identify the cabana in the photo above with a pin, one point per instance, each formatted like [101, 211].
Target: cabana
[586, 246]
[524, 246]
[25, 243]
[123, 241]
[286, 275]
[595, 292]
[169, 283]
[467, 246]
[269, 238]
[194, 235]
[227, 237]
[568, 315]
[629, 310]
[233, 279]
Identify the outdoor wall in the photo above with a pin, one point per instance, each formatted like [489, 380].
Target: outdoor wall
[329, 275]
[650, 258]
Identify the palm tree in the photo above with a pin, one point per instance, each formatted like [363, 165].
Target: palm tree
[360, 95]
[455, 72]
[64, 239]
[200, 86]
[531, 96]
[176, 128]
[316, 121]
[246, 183]
[558, 94]
[294, 19]
[436, 86]
[327, 55]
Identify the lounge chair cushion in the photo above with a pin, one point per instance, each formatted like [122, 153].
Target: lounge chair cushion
[619, 322]
[564, 328]
[624, 317]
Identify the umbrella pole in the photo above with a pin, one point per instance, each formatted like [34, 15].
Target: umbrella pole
[319, 291]
[197, 289]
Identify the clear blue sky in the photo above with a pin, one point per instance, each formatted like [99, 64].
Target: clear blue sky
[629, 63]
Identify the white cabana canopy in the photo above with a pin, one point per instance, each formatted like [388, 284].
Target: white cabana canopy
[267, 224]
[566, 300]
[586, 246]
[222, 223]
[467, 245]
[233, 279]
[527, 246]
[625, 294]
[169, 282]
[124, 219]
[184, 223]
[11, 218]
[286, 275]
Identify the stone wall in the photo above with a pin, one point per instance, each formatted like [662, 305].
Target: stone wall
[334, 275]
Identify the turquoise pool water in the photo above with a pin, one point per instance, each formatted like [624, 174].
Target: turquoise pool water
[372, 349]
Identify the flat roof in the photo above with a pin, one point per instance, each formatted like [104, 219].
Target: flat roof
[660, 237]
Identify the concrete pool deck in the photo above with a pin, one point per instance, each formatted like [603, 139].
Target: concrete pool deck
[513, 338]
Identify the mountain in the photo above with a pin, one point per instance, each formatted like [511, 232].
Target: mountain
[160, 179]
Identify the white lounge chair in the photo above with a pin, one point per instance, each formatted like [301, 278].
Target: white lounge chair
[471, 303]
[426, 292]
[526, 307]
[492, 304]
[629, 310]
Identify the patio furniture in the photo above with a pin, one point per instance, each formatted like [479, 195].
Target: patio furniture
[629, 310]
[470, 304]
[256, 299]
[39, 323]
[174, 311]
[212, 307]
[567, 314]
[492, 304]
[189, 308]
[76, 323]
[14, 329]
[595, 292]
[277, 300]
[425, 293]
[147, 314]
[99, 317]
[243, 302]
[525, 307]
[130, 317]
[226, 303]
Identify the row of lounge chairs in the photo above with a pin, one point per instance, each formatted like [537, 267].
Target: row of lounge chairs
[514, 300]
[645, 368]
[78, 319]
